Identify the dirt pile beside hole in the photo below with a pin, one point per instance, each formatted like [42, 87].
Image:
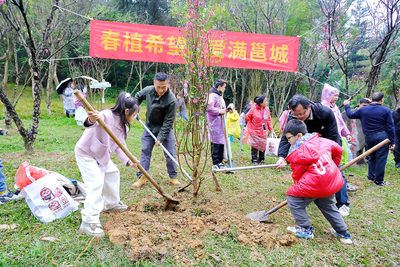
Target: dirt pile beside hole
[147, 227]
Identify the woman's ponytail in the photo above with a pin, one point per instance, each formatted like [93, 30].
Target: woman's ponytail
[125, 101]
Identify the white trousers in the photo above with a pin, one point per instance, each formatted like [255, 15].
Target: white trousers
[103, 187]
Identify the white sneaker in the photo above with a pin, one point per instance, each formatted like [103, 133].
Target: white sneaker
[120, 207]
[344, 210]
[91, 229]
[345, 239]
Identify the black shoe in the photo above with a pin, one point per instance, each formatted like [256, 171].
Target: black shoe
[380, 183]
[371, 179]
[261, 162]
[397, 165]
[255, 163]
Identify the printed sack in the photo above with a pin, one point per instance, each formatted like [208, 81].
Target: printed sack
[272, 146]
[47, 199]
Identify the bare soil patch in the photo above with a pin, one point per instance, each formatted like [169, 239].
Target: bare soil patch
[150, 231]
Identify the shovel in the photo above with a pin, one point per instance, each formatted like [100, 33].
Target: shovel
[263, 216]
[170, 201]
[230, 163]
[169, 155]
[241, 143]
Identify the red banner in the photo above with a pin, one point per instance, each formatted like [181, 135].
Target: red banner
[141, 42]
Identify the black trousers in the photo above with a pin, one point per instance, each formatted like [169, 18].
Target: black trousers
[396, 151]
[261, 155]
[217, 153]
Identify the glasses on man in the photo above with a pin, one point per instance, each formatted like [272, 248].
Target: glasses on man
[300, 115]
[288, 137]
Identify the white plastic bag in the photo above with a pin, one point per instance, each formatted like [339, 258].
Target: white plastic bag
[272, 145]
[48, 200]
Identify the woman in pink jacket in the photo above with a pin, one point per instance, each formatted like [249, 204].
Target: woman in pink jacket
[93, 156]
[258, 123]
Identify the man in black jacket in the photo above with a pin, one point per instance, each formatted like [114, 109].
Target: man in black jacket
[161, 107]
[319, 119]
[396, 151]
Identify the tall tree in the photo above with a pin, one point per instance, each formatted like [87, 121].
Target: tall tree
[21, 17]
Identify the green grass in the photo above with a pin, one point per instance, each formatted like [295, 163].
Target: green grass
[374, 229]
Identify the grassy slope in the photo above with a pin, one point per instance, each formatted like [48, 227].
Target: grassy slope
[374, 229]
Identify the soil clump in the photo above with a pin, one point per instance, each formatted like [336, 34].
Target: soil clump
[152, 231]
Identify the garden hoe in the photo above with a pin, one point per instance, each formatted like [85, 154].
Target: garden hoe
[169, 155]
[170, 202]
[263, 216]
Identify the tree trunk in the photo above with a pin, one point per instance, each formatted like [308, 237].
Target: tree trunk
[49, 87]
[6, 63]
[29, 142]
[244, 80]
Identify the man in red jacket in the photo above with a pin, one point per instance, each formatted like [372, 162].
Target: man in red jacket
[316, 178]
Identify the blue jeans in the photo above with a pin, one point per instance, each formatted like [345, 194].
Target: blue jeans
[342, 197]
[3, 185]
[377, 160]
[183, 114]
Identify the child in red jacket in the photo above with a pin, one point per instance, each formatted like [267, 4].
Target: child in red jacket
[316, 178]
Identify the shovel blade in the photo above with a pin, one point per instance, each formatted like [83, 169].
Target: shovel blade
[259, 216]
[230, 164]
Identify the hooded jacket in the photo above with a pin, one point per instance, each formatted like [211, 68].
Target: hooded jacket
[232, 121]
[216, 127]
[314, 164]
[327, 94]
[323, 122]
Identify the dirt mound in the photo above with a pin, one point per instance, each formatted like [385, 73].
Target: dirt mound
[150, 230]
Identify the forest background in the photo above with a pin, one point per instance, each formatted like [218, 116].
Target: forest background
[352, 45]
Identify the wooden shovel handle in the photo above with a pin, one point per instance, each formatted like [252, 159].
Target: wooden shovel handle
[366, 153]
[79, 95]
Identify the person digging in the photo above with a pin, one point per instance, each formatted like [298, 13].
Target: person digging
[161, 111]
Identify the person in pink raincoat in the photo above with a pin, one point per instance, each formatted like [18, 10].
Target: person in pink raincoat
[258, 123]
[329, 97]
[215, 109]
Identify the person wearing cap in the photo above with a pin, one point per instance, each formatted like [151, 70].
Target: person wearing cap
[376, 129]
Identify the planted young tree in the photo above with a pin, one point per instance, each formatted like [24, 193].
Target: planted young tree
[195, 45]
